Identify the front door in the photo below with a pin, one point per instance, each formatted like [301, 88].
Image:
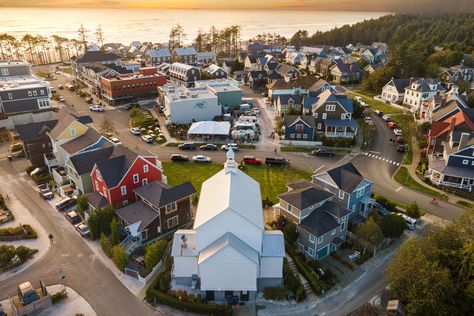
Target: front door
[210, 295]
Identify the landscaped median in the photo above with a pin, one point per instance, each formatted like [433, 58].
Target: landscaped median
[12, 257]
[17, 233]
[403, 177]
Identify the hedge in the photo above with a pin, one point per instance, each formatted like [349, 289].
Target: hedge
[302, 268]
[26, 231]
[198, 308]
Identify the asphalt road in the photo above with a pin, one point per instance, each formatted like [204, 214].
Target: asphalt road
[84, 272]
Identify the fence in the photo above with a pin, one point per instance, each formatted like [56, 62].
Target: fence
[33, 308]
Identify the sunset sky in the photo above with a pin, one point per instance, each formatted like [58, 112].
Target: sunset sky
[335, 5]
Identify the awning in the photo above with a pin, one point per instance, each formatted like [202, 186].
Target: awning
[366, 200]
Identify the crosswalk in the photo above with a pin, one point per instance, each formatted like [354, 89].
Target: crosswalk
[375, 156]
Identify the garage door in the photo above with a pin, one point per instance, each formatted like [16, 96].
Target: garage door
[323, 252]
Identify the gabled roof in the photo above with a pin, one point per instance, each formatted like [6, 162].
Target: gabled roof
[35, 130]
[213, 68]
[305, 195]
[284, 69]
[329, 97]
[309, 101]
[340, 122]
[113, 169]
[159, 194]
[64, 118]
[319, 222]
[346, 177]
[96, 200]
[252, 59]
[440, 128]
[228, 239]
[318, 84]
[96, 56]
[255, 74]
[335, 209]
[290, 120]
[156, 53]
[347, 68]
[138, 212]
[84, 162]
[285, 98]
[90, 137]
[399, 84]
[182, 51]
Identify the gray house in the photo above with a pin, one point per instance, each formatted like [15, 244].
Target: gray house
[322, 223]
[155, 57]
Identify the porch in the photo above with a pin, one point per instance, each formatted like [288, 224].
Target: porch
[60, 176]
[340, 128]
[50, 160]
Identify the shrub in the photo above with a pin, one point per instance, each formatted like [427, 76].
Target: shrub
[119, 257]
[342, 260]
[105, 245]
[58, 296]
[275, 293]
[25, 253]
[18, 231]
[82, 204]
[114, 232]
[393, 226]
[154, 253]
[413, 210]
[99, 221]
[306, 271]
[164, 281]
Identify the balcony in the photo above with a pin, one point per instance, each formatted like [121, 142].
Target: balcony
[339, 134]
[60, 176]
[50, 160]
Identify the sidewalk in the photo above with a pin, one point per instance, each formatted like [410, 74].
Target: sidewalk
[412, 171]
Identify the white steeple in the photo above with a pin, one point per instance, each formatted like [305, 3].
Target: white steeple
[230, 165]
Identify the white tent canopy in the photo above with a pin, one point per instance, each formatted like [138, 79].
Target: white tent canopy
[209, 128]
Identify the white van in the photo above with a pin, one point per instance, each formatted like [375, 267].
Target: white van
[411, 222]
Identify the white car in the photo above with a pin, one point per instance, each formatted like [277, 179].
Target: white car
[368, 120]
[201, 158]
[135, 131]
[147, 139]
[256, 110]
[397, 132]
[82, 229]
[96, 108]
[61, 99]
[115, 141]
[387, 118]
[230, 146]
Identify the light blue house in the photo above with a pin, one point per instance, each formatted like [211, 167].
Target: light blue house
[350, 188]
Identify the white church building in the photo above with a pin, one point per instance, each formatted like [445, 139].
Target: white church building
[228, 253]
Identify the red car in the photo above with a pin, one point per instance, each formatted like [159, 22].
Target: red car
[251, 160]
[392, 125]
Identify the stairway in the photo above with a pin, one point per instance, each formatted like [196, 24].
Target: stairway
[295, 271]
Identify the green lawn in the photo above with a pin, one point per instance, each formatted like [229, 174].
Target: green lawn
[272, 180]
[374, 104]
[296, 149]
[403, 177]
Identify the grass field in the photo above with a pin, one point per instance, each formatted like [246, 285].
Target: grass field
[403, 177]
[272, 180]
[374, 104]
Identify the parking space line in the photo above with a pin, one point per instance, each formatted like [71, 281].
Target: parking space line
[399, 189]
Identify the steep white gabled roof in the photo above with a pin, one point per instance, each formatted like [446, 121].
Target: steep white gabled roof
[230, 190]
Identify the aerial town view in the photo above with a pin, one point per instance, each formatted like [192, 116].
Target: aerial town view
[270, 158]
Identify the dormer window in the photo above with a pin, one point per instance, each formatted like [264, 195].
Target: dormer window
[341, 194]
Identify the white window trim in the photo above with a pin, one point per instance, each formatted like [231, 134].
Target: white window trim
[320, 240]
[145, 168]
[144, 181]
[465, 162]
[324, 116]
[136, 178]
[123, 190]
[170, 219]
[311, 252]
[333, 232]
[341, 194]
[312, 238]
[146, 234]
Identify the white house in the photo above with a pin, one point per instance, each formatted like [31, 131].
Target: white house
[394, 90]
[420, 90]
[228, 253]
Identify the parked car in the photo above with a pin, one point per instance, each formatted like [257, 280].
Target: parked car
[2, 311]
[401, 148]
[135, 131]
[397, 132]
[53, 90]
[256, 110]
[89, 100]
[380, 209]
[38, 171]
[387, 118]
[96, 108]
[400, 140]
[60, 87]
[411, 222]
[27, 294]
[147, 139]
[251, 160]
[131, 106]
[277, 161]
[201, 158]
[46, 194]
[379, 113]
[62, 99]
[70, 87]
[208, 147]
[82, 229]
[323, 152]
[233, 146]
[187, 146]
[179, 157]
[64, 204]
[392, 125]
[368, 120]
[115, 141]
[73, 217]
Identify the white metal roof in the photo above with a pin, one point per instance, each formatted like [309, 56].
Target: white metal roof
[209, 128]
[228, 239]
[273, 244]
[230, 190]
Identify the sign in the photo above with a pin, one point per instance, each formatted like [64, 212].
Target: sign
[200, 105]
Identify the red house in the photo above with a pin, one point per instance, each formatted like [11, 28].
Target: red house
[115, 179]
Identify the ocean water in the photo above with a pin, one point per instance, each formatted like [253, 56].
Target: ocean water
[125, 26]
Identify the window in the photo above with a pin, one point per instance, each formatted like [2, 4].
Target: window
[173, 221]
[465, 161]
[145, 234]
[72, 132]
[292, 135]
[136, 179]
[305, 136]
[312, 238]
[343, 226]
[299, 128]
[97, 174]
[341, 194]
[145, 168]
[10, 96]
[5, 72]
[145, 181]
[97, 186]
[125, 202]
[310, 252]
[330, 107]
[29, 93]
[316, 115]
[333, 232]
[42, 92]
[320, 239]
[320, 126]
[105, 192]
[171, 207]
[343, 116]
[324, 116]
[123, 190]
[35, 93]
[158, 229]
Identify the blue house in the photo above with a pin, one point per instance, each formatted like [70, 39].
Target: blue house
[350, 188]
[299, 127]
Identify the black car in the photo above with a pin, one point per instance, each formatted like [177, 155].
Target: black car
[323, 152]
[179, 157]
[277, 161]
[187, 146]
[208, 147]
[401, 148]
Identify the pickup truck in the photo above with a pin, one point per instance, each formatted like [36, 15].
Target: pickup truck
[277, 161]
